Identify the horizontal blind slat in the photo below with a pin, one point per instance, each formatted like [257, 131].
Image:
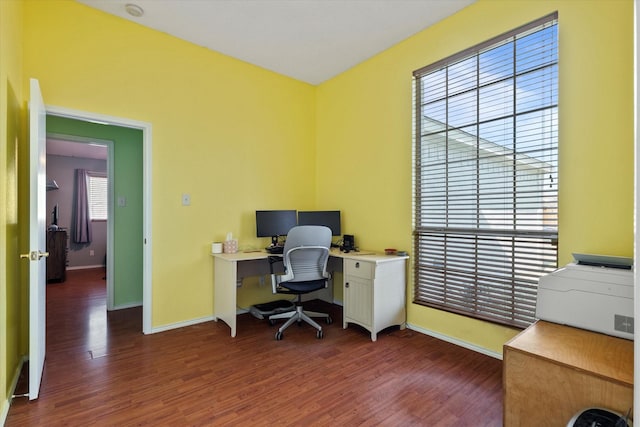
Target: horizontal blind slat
[486, 175]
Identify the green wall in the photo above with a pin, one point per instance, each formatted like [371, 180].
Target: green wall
[127, 182]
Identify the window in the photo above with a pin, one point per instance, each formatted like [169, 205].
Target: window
[97, 196]
[486, 175]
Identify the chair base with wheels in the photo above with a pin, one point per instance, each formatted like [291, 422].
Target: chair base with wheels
[299, 316]
[304, 259]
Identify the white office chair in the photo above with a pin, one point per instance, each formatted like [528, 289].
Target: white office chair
[305, 256]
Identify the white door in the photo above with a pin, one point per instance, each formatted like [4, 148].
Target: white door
[37, 242]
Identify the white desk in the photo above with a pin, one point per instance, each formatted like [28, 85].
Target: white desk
[379, 280]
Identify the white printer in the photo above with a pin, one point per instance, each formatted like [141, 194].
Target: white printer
[595, 293]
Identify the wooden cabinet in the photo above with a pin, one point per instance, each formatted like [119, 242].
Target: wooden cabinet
[57, 259]
[374, 292]
[551, 372]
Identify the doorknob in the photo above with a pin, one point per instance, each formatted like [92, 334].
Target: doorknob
[35, 255]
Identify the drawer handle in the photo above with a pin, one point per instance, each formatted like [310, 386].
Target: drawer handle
[357, 265]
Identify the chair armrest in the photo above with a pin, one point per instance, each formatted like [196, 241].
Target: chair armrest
[273, 260]
[274, 277]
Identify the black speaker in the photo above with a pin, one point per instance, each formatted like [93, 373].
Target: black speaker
[348, 243]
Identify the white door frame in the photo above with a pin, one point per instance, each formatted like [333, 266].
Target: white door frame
[146, 196]
[636, 210]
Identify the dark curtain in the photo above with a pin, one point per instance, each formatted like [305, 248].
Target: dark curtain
[82, 223]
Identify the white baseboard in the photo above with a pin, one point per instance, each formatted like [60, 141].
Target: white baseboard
[4, 412]
[424, 331]
[85, 267]
[128, 305]
[455, 341]
[12, 389]
[16, 376]
[182, 324]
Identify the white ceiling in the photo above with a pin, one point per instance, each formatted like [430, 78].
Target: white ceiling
[59, 147]
[308, 40]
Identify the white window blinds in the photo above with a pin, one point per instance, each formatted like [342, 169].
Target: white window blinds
[97, 196]
[486, 175]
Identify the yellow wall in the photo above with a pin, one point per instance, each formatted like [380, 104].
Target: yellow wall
[12, 302]
[364, 125]
[219, 126]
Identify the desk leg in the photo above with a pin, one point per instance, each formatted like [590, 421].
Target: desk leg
[224, 292]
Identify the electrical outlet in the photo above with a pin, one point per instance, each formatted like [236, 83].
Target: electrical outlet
[186, 199]
[91, 252]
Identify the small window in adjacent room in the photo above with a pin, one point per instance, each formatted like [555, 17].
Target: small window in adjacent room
[486, 175]
[97, 196]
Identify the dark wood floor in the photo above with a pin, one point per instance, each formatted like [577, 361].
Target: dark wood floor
[101, 370]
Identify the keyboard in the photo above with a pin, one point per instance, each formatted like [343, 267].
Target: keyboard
[275, 249]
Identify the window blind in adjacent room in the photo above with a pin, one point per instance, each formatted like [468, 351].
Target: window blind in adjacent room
[98, 206]
[486, 175]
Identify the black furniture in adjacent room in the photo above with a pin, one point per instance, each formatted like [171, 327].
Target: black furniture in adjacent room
[57, 259]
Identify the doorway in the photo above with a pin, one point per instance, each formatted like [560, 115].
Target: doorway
[69, 249]
[129, 201]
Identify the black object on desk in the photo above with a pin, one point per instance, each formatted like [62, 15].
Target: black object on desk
[598, 417]
[275, 249]
[348, 243]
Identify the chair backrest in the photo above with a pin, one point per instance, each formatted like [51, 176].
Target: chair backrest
[306, 252]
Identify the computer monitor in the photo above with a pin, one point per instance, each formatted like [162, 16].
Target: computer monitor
[275, 223]
[329, 219]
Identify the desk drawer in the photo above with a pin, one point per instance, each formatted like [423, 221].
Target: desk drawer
[358, 268]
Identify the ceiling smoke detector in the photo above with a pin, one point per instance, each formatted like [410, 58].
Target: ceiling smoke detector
[134, 10]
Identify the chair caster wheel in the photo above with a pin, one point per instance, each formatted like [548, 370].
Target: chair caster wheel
[278, 336]
[329, 320]
[320, 334]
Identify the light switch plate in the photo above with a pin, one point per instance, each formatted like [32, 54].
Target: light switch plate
[186, 199]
